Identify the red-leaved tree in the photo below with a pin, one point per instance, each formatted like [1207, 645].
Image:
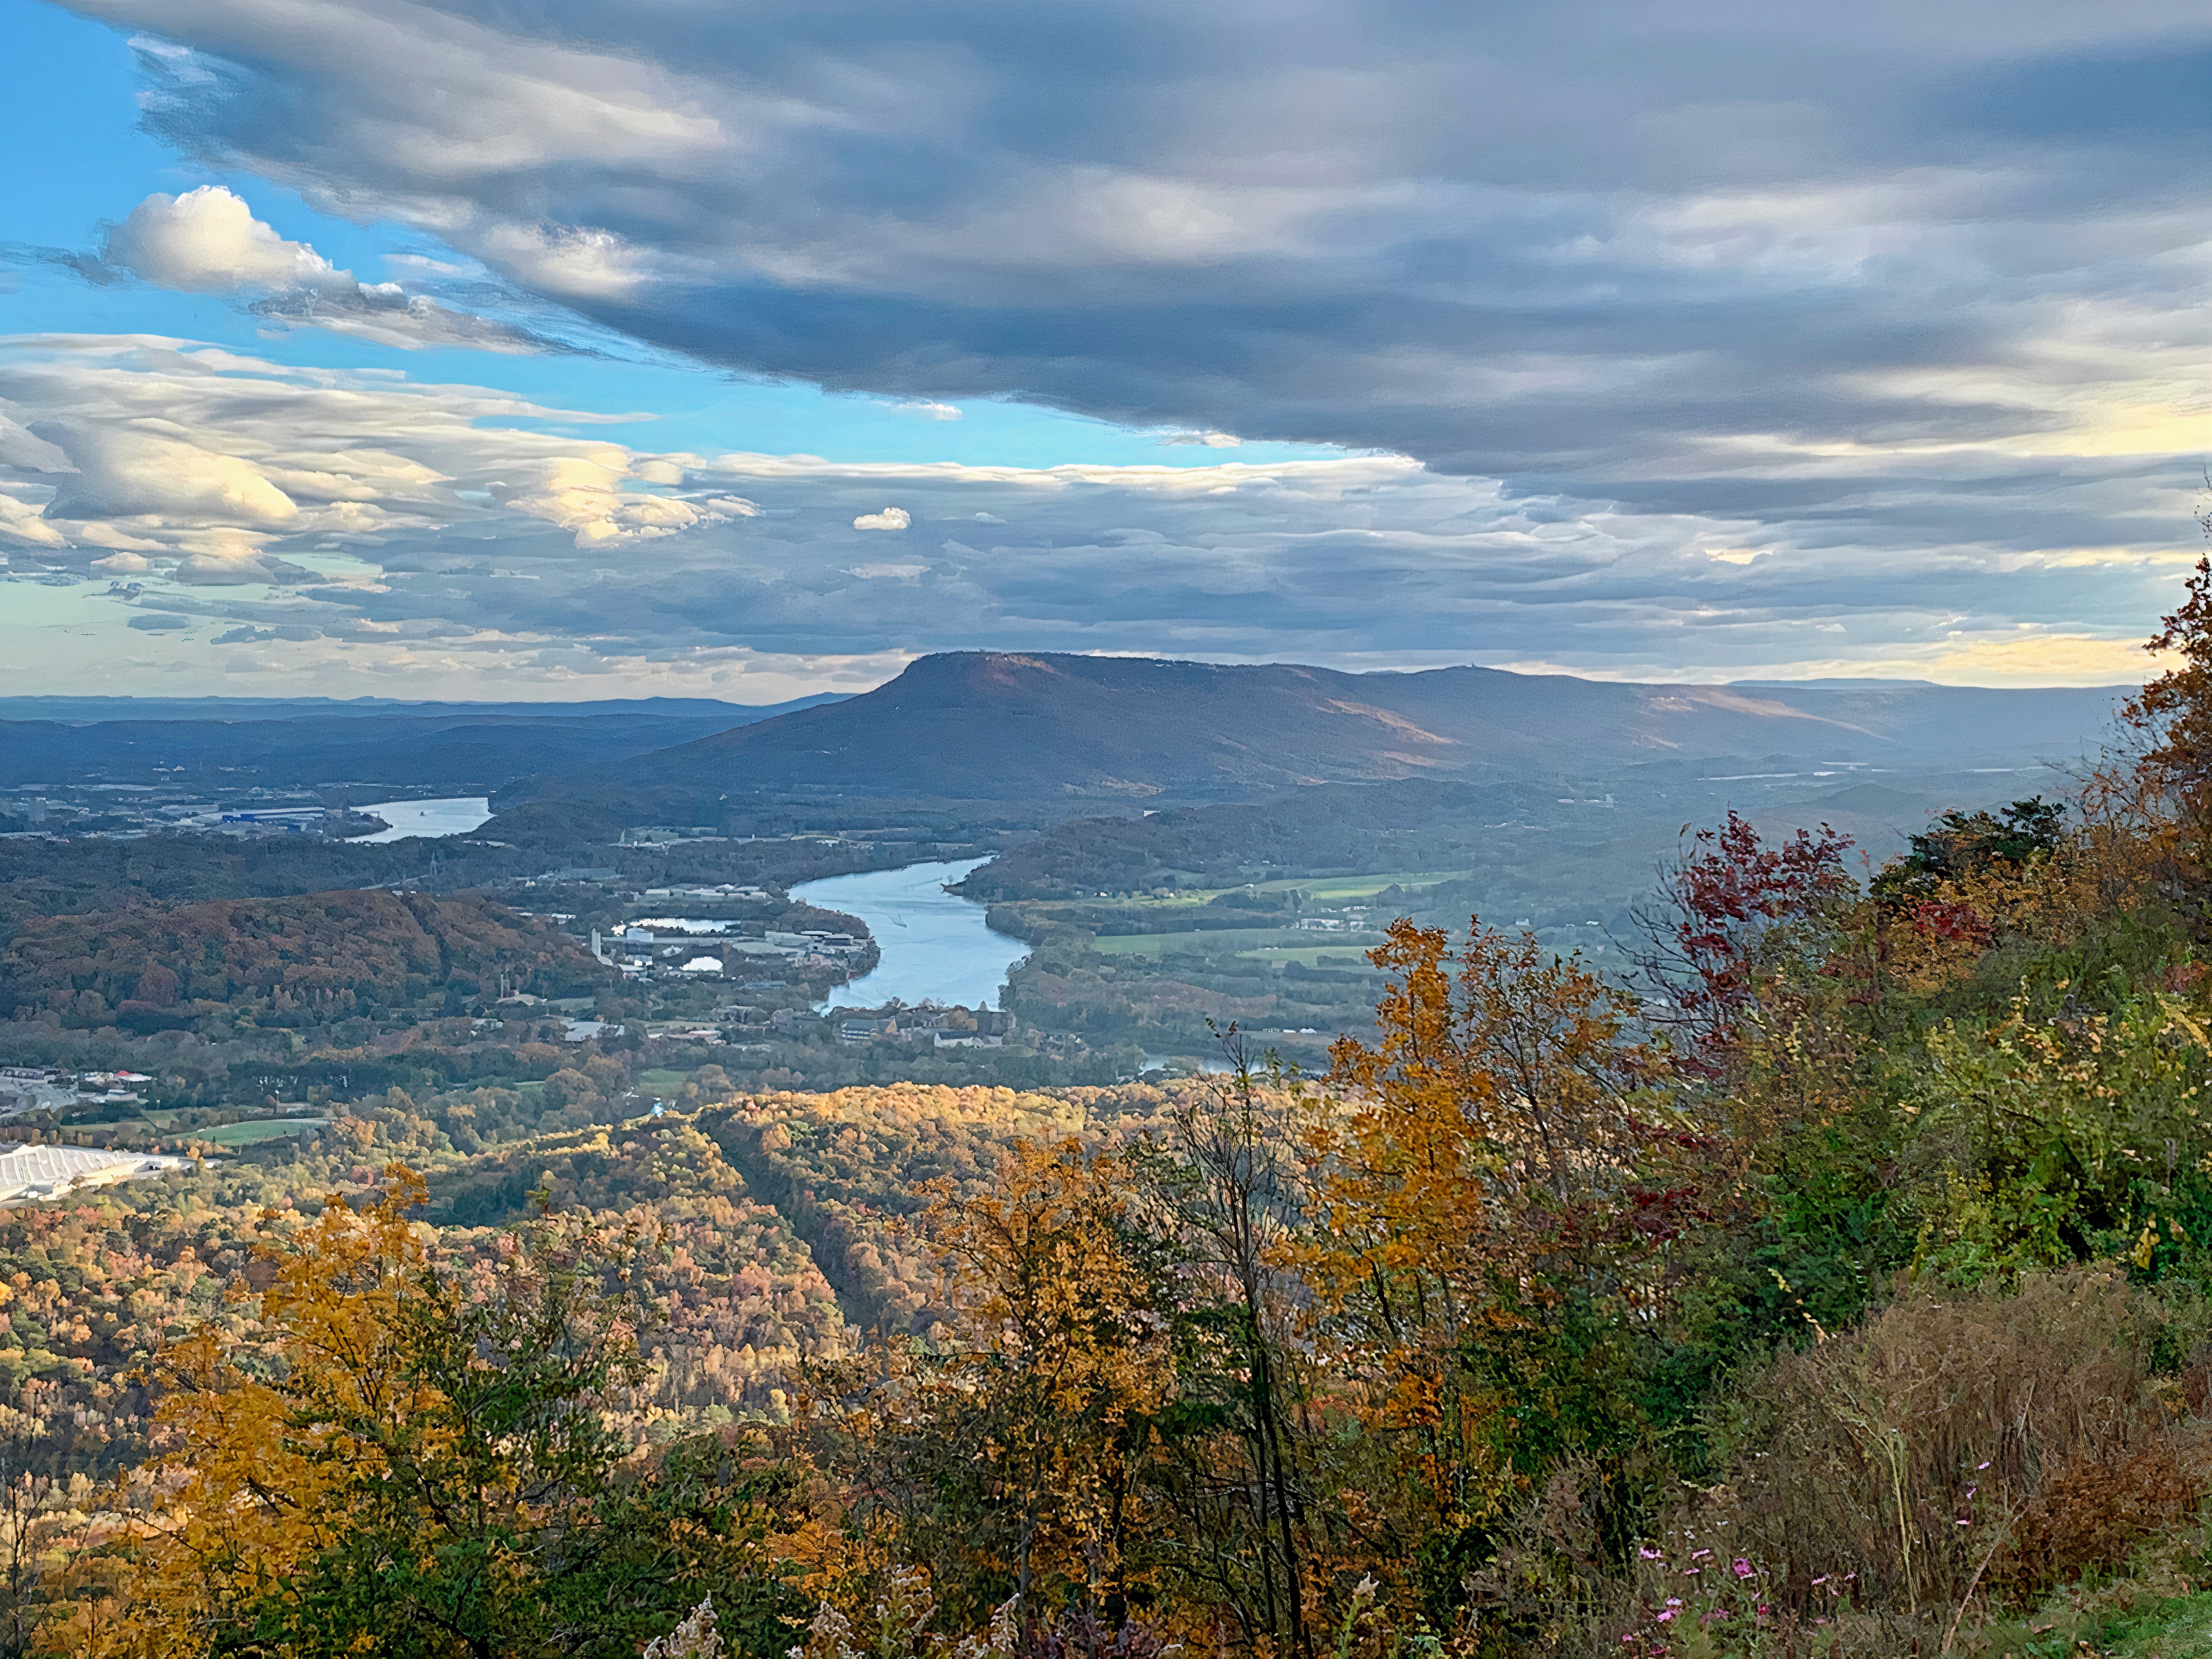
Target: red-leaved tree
[1731, 909]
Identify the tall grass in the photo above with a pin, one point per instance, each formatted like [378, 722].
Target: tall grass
[1961, 1441]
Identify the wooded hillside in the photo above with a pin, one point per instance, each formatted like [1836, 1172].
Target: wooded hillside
[317, 956]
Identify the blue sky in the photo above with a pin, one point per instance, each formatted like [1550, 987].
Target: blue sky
[577, 351]
[65, 75]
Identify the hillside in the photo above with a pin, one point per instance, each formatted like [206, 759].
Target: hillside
[284, 959]
[988, 726]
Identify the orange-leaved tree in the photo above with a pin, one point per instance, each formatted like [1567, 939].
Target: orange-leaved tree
[2168, 790]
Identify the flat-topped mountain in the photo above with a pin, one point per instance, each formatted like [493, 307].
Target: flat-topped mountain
[1038, 727]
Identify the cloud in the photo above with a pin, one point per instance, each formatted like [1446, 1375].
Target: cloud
[159, 448]
[141, 471]
[1763, 265]
[366, 527]
[208, 241]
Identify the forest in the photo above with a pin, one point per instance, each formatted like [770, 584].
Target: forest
[284, 961]
[1828, 1279]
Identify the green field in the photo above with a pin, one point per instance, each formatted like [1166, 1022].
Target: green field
[1322, 890]
[1318, 956]
[661, 1078]
[1325, 890]
[1235, 941]
[266, 1128]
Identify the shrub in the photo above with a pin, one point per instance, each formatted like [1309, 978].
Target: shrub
[1959, 1437]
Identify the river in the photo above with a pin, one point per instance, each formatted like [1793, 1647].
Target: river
[454, 815]
[934, 945]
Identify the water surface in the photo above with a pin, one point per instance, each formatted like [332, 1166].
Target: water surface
[935, 945]
[454, 815]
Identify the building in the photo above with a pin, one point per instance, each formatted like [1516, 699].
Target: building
[30, 1173]
[940, 1026]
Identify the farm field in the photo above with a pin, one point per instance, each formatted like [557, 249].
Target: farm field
[260, 1129]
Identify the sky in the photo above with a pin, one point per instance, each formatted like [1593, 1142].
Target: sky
[517, 349]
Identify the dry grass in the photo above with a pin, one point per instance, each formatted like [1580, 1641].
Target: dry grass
[1958, 1444]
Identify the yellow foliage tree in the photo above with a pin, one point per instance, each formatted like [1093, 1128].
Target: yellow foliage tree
[1007, 1450]
[414, 1456]
[1483, 1168]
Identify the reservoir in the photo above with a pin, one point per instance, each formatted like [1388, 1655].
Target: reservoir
[455, 816]
[935, 945]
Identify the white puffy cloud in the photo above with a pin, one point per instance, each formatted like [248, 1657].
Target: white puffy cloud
[157, 446]
[583, 492]
[21, 523]
[891, 518]
[140, 471]
[208, 241]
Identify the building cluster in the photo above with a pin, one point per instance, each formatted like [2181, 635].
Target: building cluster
[926, 1023]
[37, 1089]
[129, 811]
[642, 951]
[29, 1174]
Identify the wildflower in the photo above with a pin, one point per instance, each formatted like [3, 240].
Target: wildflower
[1363, 1593]
[1645, 1552]
[1744, 1569]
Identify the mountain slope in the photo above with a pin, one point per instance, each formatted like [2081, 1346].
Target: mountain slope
[1040, 727]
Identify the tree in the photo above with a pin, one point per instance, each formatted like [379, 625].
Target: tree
[1226, 1195]
[2170, 720]
[1486, 1217]
[1008, 1452]
[414, 1456]
[1730, 910]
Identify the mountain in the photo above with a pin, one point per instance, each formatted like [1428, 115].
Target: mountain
[442, 746]
[1042, 728]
